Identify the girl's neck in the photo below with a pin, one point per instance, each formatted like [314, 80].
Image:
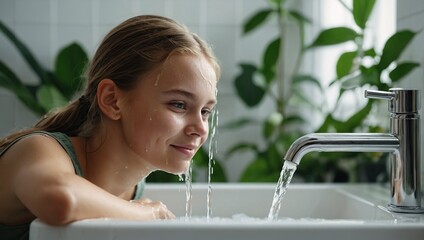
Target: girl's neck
[108, 164]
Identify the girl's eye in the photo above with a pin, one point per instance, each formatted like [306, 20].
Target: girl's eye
[206, 112]
[178, 105]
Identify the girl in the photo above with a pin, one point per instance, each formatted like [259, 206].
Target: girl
[150, 88]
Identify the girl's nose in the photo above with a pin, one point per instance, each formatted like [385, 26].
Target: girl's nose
[198, 126]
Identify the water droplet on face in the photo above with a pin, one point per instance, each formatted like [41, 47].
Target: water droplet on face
[157, 79]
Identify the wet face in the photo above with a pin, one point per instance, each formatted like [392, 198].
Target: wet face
[165, 120]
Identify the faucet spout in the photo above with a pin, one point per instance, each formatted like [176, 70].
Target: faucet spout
[341, 142]
[403, 142]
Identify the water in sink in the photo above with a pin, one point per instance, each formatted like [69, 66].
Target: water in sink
[301, 201]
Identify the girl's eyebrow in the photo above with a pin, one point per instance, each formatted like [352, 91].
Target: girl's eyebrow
[186, 94]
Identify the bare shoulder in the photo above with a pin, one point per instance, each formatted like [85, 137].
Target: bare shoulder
[37, 149]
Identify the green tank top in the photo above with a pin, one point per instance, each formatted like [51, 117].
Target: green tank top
[21, 232]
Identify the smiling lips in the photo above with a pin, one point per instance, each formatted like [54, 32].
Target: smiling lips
[188, 150]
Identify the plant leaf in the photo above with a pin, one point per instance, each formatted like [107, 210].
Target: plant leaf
[356, 119]
[218, 174]
[270, 59]
[272, 53]
[299, 16]
[69, 67]
[10, 81]
[402, 70]
[293, 119]
[394, 47]
[256, 20]
[258, 171]
[162, 177]
[237, 123]
[370, 52]
[370, 75]
[50, 97]
[345, 63]
[361, 11]
[248, 91]
[201, 158]
[334, 36]
[241, 147]
[271, 124]
[26, 53]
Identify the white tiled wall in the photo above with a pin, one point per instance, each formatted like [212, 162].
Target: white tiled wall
[48, 25]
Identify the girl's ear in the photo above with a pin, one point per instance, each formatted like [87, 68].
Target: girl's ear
[107, 99]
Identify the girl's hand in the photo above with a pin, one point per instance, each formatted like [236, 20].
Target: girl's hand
[157, 208]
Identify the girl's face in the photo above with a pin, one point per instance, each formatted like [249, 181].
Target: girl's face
[165, 118]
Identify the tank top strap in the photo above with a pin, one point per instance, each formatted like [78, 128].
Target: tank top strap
[66, 144]
[61, 138]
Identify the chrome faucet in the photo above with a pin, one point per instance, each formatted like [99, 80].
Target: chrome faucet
[403, 142]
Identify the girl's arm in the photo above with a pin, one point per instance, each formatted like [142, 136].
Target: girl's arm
[45, 182]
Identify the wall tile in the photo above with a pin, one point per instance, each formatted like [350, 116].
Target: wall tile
[224, 49]
[37, 38]
[7, 11]
[156, 7]
[38, 11]
[74, 33]
[6, 106]
[114, 12]
[217, 14]
[186, 11]
[74, 12]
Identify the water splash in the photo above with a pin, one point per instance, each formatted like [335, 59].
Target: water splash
[188, 181]
[212, 149]
[180, 178]
[285, 177]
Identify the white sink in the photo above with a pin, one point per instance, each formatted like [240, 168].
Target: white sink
[239, 211]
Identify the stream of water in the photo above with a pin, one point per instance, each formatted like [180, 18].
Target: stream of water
[285, 178]
[189, 188]
[212, 149]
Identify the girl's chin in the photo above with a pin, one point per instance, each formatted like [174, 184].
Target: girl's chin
[177, 170]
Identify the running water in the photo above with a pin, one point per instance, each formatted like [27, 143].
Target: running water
[212, 150]
[285, 177]
[189, 196]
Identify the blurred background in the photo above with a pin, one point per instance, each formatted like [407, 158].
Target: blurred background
[289, 67]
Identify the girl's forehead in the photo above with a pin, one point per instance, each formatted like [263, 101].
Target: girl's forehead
[186, 69]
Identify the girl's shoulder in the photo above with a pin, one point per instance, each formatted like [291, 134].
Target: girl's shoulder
[35, 147]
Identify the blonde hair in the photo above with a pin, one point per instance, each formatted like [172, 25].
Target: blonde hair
[128, 51]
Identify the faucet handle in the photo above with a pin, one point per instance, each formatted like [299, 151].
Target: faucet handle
[379, 94]
[400, 100]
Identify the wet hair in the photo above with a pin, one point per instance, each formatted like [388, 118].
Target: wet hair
[130, 50]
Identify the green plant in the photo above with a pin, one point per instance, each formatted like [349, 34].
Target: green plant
[353, 71]
[362, 67]
[54, 88]
[268, 80]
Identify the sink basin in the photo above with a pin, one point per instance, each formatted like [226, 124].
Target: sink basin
[239, 211]
[324, 202]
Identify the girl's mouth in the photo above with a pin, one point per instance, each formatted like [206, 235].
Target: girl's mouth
[186, 150]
